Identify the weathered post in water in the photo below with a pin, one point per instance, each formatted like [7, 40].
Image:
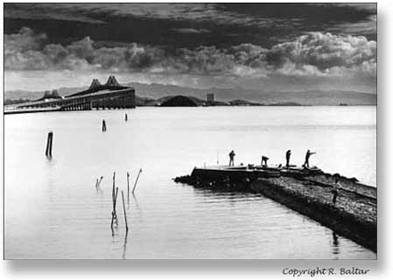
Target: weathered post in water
[136, 181]
[114, 198]
[124, 210]
[128, 187]
[126, 117]
[48, 151]
[113, 186]
[103, 126]
[114, 215]
[98, 182]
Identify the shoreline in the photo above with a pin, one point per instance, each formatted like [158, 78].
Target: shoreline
[24, 111]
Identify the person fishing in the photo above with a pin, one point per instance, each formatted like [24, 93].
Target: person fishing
[288, 157]
[264, 161]
[232, 158]
[306, 161]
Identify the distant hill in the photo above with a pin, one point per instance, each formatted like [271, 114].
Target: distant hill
[152, 93]
[241, 102]
[179, 101]
[259, 96]
[285, 104]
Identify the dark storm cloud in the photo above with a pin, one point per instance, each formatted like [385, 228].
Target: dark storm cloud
[156, 24]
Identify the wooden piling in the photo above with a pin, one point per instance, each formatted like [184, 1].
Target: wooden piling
[128, 186]
[113, 186]
[98, 182]
[114, 215]
[103, 126]
[126, 117]
[136, 181]
[114, 199]
[124, 210]
[48, 151]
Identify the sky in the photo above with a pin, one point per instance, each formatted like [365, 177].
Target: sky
[269, 47]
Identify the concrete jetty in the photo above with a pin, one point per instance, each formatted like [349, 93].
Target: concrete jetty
[308, 191]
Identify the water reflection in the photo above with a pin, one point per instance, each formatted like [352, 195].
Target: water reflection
[52, 180]
[125, 247]
[136, 202]
[336, 243]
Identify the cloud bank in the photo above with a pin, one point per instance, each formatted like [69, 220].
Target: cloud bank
[312, 54]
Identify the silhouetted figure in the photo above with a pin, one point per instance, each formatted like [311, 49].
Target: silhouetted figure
[103, 125]
[232, 158]
[288, 157]
[264, 161]
[336, 187]
[126, 118]
[308, 154]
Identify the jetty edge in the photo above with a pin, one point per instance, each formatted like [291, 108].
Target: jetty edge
[308, 191]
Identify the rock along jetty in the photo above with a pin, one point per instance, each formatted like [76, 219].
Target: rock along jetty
[308, 191]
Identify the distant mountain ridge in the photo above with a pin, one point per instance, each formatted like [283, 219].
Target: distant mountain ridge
[156, 91]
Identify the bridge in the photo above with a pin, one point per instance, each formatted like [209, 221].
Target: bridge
[111, 95]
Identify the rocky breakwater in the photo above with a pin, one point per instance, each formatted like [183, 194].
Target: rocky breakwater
[353, 215]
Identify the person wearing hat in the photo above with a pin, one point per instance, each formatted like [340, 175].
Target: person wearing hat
[232, 158]
[288, 157]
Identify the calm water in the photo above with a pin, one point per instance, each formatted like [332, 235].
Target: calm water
[54, 211]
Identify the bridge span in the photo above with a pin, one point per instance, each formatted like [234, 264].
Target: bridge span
[111, 95]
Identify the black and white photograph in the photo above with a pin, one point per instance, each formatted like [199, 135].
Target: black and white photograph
[190, 131]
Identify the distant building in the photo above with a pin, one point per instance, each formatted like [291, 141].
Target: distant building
[210, 97]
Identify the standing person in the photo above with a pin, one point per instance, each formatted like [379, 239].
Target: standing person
[232, 158]
[336, 188]
[264, 161]
[288, 157]
[308, 154]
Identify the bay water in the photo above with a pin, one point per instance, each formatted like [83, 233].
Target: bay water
[53, 209]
